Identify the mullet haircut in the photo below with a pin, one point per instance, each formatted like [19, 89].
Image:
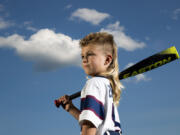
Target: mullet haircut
[107, 41]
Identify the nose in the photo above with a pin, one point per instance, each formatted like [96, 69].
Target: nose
[84, 60]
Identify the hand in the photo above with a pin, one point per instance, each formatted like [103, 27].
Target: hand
[65, 102]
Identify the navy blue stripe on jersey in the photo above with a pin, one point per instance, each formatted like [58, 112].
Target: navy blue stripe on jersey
[113, 115]
[94, 105]
[117, 124]
[112, 133]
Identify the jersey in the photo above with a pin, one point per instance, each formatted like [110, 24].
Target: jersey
[97, 107]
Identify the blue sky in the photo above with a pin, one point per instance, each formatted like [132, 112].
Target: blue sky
[40, 61]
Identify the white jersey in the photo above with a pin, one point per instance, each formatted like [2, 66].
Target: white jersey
[97, 107]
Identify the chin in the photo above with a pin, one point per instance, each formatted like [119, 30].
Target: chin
[90, 74]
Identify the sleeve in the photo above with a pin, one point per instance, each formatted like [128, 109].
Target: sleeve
[92, 103]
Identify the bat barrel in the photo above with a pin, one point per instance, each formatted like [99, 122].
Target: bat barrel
[150, 63]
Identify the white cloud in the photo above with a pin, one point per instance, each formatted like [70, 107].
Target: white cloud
[47, 49]
[31, 28]
[28, 26]
[142, 77]
[90, 15]
[137, 78]
[129, 65]
[5, 24]
[176, 14]
[122, 40]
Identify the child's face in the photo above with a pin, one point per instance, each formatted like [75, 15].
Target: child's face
[94, 61]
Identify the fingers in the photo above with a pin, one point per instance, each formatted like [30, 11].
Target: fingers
[56, 102]
[64, 100]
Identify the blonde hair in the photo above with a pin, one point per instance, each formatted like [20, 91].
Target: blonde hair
[109, 45]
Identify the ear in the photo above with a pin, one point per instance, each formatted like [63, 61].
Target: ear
[108, 60]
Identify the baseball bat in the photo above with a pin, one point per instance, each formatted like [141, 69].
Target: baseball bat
[144, 65]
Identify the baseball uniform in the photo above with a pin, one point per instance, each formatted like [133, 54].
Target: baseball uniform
[97, 107]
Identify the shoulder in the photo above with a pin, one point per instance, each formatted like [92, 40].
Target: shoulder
[98, 80]
[95, 86]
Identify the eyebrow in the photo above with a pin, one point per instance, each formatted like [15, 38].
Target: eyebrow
[88, 52]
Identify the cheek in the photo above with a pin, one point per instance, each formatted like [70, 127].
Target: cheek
[98, 63]
[101, 60]
[95, 62]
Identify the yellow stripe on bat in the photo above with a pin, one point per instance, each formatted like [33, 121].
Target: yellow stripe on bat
[171, 50]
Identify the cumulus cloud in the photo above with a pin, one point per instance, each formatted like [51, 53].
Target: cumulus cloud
[121, 38]
[137, 78]
[90, 15]
[47, 49]
[176, 14]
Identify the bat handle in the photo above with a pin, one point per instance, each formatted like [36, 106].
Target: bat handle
[75, 95]
[71, 97]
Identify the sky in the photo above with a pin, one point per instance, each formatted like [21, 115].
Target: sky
[40, 61]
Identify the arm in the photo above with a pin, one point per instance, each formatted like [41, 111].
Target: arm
[75, 112]
[88, 128]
